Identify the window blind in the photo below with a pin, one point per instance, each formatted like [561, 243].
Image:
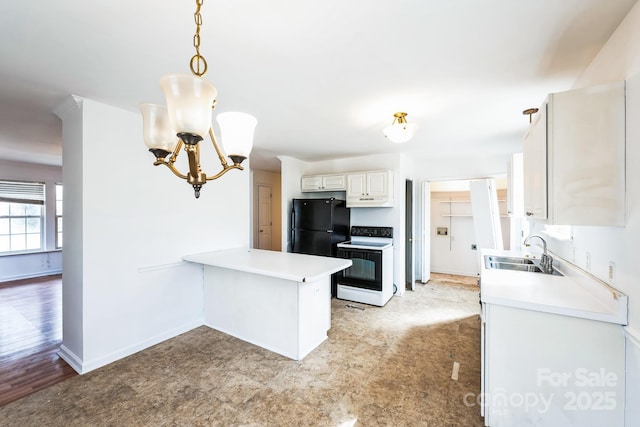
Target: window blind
[22, 192]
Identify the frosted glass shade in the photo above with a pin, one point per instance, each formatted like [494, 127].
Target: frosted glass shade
[400, 132]
[236, 132]
[189, 101]
[156, 128]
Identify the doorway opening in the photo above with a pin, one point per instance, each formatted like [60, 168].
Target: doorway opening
[452, 235]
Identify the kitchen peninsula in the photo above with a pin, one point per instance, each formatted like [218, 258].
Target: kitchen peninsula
[276, 300]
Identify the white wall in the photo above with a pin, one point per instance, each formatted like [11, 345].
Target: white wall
[49, 261]
[618, 60]
[127, 226]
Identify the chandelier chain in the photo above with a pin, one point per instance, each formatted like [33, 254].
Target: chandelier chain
[198, 64]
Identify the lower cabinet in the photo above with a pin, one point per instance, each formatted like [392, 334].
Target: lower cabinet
[551, 370]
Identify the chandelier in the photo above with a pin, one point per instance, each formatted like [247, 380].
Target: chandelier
[400, 131]
[186, 120]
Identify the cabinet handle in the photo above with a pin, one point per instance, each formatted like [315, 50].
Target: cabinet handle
[529, 213]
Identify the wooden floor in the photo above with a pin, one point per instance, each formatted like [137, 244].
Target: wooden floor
[30, 335]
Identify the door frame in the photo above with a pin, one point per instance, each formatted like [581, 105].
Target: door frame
[409, 246]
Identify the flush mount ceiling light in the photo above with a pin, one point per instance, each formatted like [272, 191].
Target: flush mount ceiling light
[400, 131]
[186, 120]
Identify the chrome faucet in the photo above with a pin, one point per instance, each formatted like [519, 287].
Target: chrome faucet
[546, 262]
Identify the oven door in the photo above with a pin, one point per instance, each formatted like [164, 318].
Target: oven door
[366, 271]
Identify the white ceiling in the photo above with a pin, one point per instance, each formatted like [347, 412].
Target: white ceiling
[322, 77]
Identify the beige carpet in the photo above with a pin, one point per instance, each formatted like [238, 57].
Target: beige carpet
[387, 366]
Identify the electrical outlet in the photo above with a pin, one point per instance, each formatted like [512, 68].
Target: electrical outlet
[587, 265]
[612, 271]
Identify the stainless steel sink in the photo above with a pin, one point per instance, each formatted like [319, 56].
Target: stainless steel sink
[515, 264]
[508, 259]
[510, 266]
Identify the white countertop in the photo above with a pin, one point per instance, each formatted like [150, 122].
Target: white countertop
[283, 265]
[576, 294]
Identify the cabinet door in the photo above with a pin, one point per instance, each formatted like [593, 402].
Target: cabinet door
[377, 183]
[333, 182]
[311, 183]
[587, 155]
[356, 185]
[535, 167]
[557, 358]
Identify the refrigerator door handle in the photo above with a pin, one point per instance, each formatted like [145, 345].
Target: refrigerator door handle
[292, 234]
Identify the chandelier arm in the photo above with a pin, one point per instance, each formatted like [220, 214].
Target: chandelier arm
[176, 151]
[223, 161]
[223, 171]
[172, 168]
[172, 159]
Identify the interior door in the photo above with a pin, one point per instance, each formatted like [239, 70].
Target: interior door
[408, 251]
[264, 217]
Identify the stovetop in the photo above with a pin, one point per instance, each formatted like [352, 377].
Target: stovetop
[369, 237]
[369, 231]
[358, 244]
[364, 243]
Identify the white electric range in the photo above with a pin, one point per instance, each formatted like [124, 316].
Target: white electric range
[370, 279]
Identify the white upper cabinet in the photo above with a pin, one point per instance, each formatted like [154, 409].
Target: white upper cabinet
[370, 189]
[333, 182]
[574, 158]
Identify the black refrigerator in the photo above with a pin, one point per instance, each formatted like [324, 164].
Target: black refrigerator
[317, 226]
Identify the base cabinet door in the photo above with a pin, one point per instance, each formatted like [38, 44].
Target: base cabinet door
[551, 370]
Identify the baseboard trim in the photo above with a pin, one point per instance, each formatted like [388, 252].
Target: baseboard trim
[456, 273]
[30, 275]
[71, 358]
[84, 366]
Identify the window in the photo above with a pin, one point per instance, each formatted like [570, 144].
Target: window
[58, 216]
[21, 216]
